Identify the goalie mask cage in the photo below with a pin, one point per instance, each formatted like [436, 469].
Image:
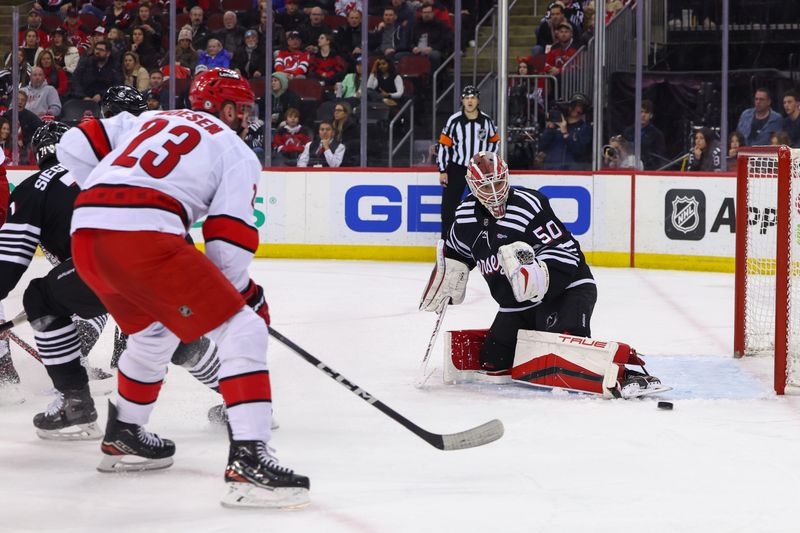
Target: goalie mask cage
[767, 294]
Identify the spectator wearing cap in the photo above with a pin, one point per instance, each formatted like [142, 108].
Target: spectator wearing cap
[292, 61]
[42, 98]
[316, 27]
[214, 55]
[431, 38]
[389, 38]
[465, 133]
[566, 143]
[293, 18]
[185, 54]
[76, 32]
[232, 33]
[563, 49]
[546, 32]
[55, 75]
[117, 15]
[348, 36]
[95, 74]
[152, 28]
[249, 59]
[200, 31]
[35, 24]
[65, 54]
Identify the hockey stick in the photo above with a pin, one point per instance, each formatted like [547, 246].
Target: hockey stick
[422, 375]
[477, 436]
[14, 322]
[24, 345]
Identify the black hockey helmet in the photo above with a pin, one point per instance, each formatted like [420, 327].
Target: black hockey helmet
[44, 142]
[470, 90]
[121, 98]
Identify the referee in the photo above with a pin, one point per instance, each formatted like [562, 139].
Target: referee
[466, 133]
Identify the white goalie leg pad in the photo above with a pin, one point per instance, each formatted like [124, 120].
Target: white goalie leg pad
[448, 280]
[553, 360]
[529, 277]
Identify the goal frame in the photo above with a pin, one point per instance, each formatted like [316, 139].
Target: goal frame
[783, 154]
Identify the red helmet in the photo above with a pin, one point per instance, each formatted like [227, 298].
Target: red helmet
[212, 88]
[487, 177]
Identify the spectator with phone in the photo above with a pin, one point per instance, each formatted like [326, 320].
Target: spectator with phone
[566, 141]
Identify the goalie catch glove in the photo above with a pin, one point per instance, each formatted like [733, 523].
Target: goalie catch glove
[529, 277]
[448, 281]
[254, 297]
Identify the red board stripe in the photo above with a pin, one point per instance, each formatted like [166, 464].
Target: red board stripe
[231, 230]
[98, 139]
[137, 391]
[246, 388]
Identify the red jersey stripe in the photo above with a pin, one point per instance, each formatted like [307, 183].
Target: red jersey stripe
[246, 388]
[231, 230]
[137, 391]
[96, 135]
[126, 196]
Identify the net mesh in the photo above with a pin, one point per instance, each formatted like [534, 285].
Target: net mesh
[761, 305]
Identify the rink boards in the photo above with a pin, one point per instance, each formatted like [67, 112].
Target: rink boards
[652, 220]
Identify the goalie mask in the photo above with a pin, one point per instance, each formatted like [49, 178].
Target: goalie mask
[487, 178]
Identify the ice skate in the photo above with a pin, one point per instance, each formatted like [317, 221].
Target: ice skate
[636, 385]
[218, 415]
[8, 374]
[255, 479]
[71, 416]
[129, 448]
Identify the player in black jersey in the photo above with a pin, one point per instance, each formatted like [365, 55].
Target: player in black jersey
[538, 275]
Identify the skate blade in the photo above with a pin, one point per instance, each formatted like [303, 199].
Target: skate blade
[88, 431]
[641, 393]
[131, 463]
[249, 496]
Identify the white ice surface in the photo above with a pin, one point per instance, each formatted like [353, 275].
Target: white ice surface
[727, 459]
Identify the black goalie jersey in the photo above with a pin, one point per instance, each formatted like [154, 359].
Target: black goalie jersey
[40, 211]
[476, 236]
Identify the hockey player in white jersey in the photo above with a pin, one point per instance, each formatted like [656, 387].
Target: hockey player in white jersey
[145, 181]
[537, 273]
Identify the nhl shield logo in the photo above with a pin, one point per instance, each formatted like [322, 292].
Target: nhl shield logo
[685, 214]
[482, 134]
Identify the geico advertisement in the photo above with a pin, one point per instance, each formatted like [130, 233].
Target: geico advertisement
[692, 216]
[393, 208]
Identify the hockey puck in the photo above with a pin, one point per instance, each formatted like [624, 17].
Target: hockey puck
[667, 406]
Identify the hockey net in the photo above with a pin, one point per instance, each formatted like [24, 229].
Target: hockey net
[767, 316]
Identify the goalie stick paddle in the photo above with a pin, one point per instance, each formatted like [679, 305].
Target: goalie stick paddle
[422, 375]
[477, 436]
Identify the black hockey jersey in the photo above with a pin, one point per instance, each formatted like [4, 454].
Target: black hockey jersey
[476, 237]
[40, 212]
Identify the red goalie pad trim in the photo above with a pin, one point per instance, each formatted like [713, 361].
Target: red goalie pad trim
[246, 388]
[136, 391]
[231, 230]
[553, 371]
[96, 135]
[465, 348]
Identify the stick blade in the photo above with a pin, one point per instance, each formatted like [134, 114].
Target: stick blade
[471, 438]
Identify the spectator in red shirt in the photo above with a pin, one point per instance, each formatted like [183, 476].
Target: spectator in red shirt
[35, 24]
[292, 61]
[76, 33]
[327, 65]
[290, 138]
[563, 49]
[55, 75]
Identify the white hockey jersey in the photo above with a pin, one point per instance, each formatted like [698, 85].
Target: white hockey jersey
[163, 171]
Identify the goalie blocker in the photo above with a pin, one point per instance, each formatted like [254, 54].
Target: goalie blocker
[554, 361]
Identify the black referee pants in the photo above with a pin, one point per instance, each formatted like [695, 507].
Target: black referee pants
[451, 195]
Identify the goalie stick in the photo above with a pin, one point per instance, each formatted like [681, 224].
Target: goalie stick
[477, 436]
[422, 375]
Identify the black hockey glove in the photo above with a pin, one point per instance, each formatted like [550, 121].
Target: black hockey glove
[254, 297]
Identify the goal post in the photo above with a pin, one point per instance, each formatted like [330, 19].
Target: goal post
[767, 286]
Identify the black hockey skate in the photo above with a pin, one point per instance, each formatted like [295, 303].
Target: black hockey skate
[129, 448]
[219, 415]
[8, 374]
[255, 479]
[637, 384]
[71, 416]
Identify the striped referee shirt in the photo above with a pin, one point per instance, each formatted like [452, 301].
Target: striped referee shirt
[462, 138]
